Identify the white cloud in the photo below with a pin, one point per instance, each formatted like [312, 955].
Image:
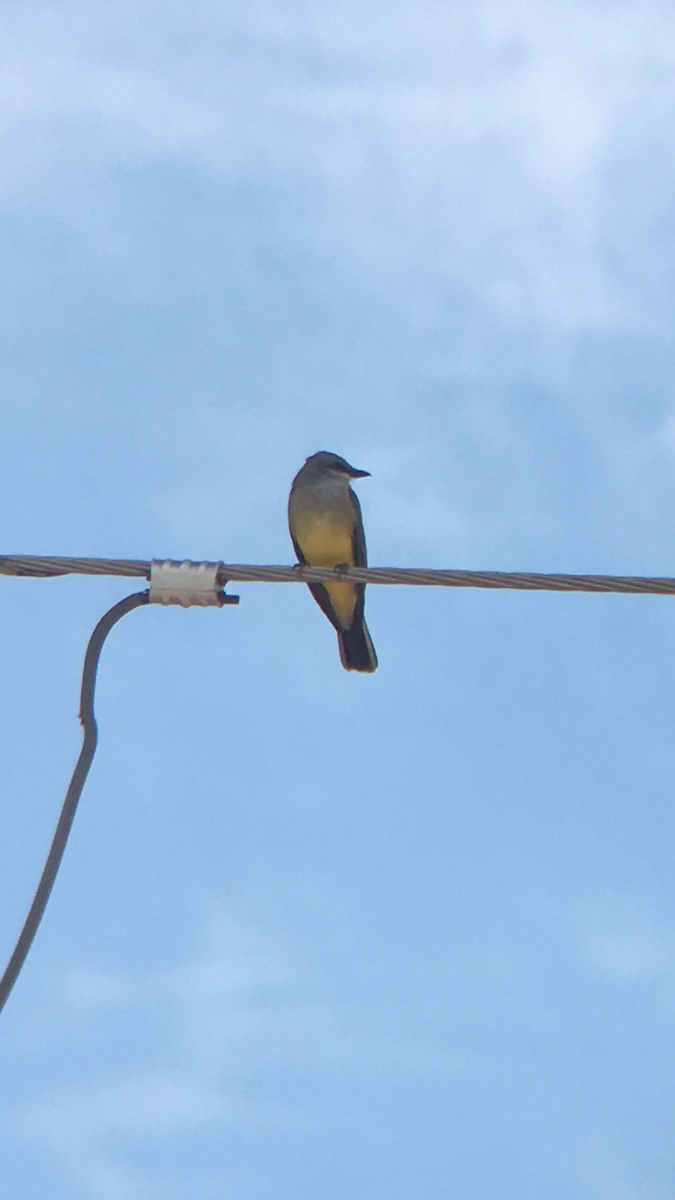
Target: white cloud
[482, 146]
[241, 1005]
[625, 940]
[88, 1130]
[85, 988]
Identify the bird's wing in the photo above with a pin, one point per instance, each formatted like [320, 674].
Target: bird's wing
[358, 536]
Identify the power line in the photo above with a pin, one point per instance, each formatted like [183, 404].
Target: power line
[187, 583]
[67, 815]
[413, 576]
[46, 567]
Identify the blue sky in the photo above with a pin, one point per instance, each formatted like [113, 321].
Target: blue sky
[318, 934]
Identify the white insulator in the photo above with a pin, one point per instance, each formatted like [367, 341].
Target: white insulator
[185, 583]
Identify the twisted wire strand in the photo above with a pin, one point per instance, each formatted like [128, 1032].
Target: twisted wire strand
[49, 567]
[45, 567]
[520, 580]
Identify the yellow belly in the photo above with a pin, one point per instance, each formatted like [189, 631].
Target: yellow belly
[325, 544]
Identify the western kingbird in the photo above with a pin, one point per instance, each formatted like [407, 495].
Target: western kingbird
[324, 518]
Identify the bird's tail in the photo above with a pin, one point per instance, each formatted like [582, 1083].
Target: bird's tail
[357, 652]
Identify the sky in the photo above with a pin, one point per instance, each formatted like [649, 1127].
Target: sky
[317, 933]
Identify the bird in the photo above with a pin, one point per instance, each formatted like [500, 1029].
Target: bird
[326, 528]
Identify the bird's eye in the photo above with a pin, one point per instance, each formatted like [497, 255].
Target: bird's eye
[337, 465]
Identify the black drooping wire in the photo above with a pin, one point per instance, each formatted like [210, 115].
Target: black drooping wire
[65, 821]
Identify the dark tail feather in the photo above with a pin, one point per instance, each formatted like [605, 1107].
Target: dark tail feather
[357, 652]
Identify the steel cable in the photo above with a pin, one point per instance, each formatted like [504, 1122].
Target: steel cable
[45, 567]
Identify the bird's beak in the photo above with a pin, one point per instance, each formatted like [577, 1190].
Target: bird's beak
[355, 474]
